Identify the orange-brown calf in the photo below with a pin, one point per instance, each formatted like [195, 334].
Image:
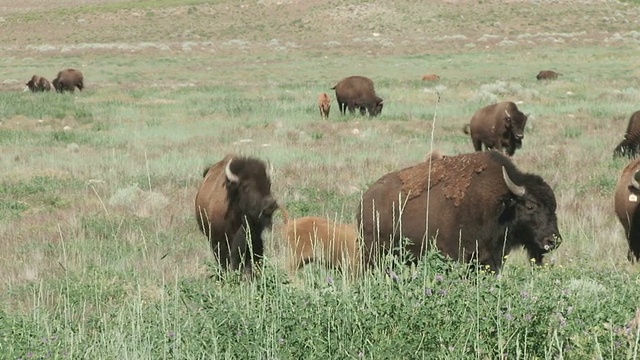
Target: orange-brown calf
[430, 77]
[324, 105]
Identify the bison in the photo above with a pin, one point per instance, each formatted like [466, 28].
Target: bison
[233, 206]
[629, 146]
[357, 92]
[498, 126]
[471, 207]
[430, 77]
[324, 105]
[68, 80]
[38, 84]
[626, 203]
[316, 239]
[547, 75]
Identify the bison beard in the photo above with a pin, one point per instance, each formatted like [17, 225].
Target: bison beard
[479, 207]
[631, 144]
[233, 207]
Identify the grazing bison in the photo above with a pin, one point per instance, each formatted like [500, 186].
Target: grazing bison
[547, 75]
[324, 105]
[68, 80]
[430, 77]
[234, 205]
[631, 143]
[38, 84]
[357, 92]
[314, 239]
[497, 126]
[626, 204]
[472, 207]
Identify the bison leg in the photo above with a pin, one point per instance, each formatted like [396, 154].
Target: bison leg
[477, 145]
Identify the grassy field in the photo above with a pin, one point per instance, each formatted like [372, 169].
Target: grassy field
[100, 256]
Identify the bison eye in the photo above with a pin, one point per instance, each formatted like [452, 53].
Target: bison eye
[530, 206]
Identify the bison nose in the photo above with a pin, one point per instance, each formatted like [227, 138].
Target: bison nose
[519, 136]
[551, 242]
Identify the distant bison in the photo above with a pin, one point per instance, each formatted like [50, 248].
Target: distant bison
[38, 84]
[497, 126]
[234, 204]
[358, 92]
[430, 77]
[316, 239]
[69, 80]
[324, 105]
[626, 200]
[547, 75]
[631, 143]
[471, 207]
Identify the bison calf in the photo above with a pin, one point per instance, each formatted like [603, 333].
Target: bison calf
[626, 200]
[233, 206]
[69, 80]
[547, 75]
[430, 77]
[629, 146]
[38, 84]
[324, 105]
[357, 92]
[316, 239]
[498, 126]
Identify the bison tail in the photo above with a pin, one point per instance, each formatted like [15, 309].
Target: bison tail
[466, 129]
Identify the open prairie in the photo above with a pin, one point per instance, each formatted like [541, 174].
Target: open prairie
[100, 255]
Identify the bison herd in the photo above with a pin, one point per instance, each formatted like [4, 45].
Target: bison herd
[66, 80]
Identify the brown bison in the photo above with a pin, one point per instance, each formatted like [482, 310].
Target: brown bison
[629, 146]
[547, 75]
[430, 77]
[324, 105]
[626, 203]
[497, 126]
[68, 80]
[38, 84]
[234, 205]
[316, 239]
[471, 207]
[357, 92]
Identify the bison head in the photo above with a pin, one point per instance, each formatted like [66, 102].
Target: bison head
[516, 123]
[377, 107]
[530, 208]
[249, 191]
[32, 86]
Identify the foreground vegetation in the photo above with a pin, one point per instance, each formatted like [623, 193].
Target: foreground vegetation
[100, 256]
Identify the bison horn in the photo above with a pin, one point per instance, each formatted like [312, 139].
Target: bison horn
[634, 180]
[507, 112]
[270, 172]
[517, 190]
[230, 176]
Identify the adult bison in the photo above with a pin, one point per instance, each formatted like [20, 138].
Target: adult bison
[357, 92]
[324, 105]
[316, 239]
[631, 143]
[497, 126]
[69, 80]
[626, 204]
[547, 75]
[473, 207]
[38, 84]
[234, 205]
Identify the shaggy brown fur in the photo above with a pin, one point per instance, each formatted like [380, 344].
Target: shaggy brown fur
[324, 105]
[38, 84]
[69, 80]
[547, 75]
[471, 211]
[430, 77]
[357, 92]
[233, 205]
[498, 126]
[316, 239]
[626, 199]
[631, 144]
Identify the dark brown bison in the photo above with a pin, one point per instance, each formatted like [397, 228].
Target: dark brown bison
[547, 75]
[626, 203]
[357, 92]
[316, 239]
[234, 204]
[324, 105]
[498, 126]
[69, 80]
[476, 206]
[631, 143]
[38, 84]
[430, 77]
